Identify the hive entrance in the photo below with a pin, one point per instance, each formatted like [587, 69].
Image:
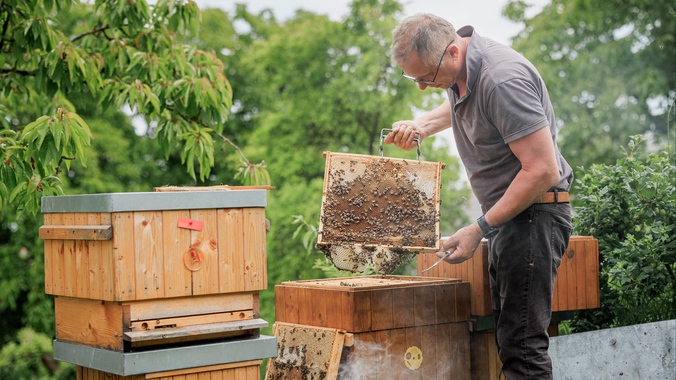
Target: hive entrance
[378, 211]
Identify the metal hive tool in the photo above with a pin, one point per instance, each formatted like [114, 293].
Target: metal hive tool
[378, 211]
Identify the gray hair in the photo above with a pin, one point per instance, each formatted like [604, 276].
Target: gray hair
[424, 34]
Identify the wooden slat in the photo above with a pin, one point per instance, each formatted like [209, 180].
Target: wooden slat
[124, 268]
[175, 243]
[106, 274]
[460, 353]
[76, 232]
[178, 322]
[185, 306]
[445, 303]
[403, 303]
[431, 356]
[579, 264]
[94, 262]
[382, 310]
[49, 257]
[205, 280]
[220, 367]
[255, 269]
[82, 260]
[69, 279]
[230, 250]
[149, 255]
[362, 311]
[423, 309]
[194, 331]
[591, 273]
[413, 339]
[89, 322]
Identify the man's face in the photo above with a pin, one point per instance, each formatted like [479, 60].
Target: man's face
[440, 76]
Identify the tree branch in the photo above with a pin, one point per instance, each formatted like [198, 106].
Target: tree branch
[93, 31]
[14, 70]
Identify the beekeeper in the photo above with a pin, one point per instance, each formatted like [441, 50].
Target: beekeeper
[505, 131]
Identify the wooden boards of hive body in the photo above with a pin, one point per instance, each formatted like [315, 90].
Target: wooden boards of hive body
[576, 286]
[125, 325]
[154, 250]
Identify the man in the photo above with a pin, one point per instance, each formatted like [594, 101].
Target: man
[504, 128]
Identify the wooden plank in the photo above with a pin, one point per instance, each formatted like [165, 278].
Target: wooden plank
[322, 302]
[336, 352]
[413, 356]
[75, 232]
[186, 306]
[212, 368]
[193, 331]
[69, 261]
[94, 262]
[124, 273]
[362, 311]
[82, 260]
[580, 282]
[423, 307]
[396, 350]
[561, 286]
[460, 351]
[443, 346]
[481, 288]
[176, 244]
[403, 301]
[428, 347]
[591, 273]
[205, 280]
[255, 269]
[382, 309]
[177, 322]
[149, 256]
[347, 307]
[89, 322]
[305, 312]
[445, 303]
[106, 272]
[462, 301]
[230, 250]
[49, 257]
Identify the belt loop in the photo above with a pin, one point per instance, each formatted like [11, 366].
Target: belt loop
[556, 196]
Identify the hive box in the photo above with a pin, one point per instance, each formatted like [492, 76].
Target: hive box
[576, 286]
[139, 246]
[132, 270]
[401, 326]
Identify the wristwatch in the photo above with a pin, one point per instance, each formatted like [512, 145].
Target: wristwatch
[488, 231]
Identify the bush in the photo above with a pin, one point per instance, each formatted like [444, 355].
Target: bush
[630, 207]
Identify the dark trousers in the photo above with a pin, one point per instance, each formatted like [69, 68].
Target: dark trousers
[523, 260]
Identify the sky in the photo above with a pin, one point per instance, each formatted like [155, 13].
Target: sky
[484, 15]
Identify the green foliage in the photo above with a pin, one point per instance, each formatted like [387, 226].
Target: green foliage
[610, 69]
[118, 53]
[630, 207]
[30, 358]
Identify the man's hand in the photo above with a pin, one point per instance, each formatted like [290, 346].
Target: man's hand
[402, 135]
[463, 244]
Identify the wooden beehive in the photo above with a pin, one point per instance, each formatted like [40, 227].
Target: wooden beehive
[249, 370]
[141, 246]
[576, 286]
[399, 326]
[124, 326]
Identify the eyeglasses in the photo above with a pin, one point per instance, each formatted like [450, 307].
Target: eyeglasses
[416, 80]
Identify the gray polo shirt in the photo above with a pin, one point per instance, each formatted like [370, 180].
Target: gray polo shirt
[506, 100]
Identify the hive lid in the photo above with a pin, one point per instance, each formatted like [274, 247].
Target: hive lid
[153, 201]
[370, 282]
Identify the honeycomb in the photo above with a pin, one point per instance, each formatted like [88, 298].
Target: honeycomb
[378, 211]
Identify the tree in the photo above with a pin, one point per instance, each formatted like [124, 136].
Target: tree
[610, 69]
[120, 53]
[630, 208]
